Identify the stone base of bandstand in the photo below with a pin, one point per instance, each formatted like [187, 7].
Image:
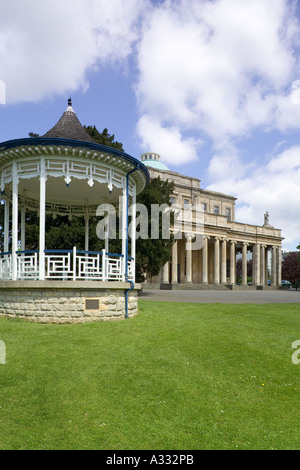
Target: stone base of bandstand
[67, 301]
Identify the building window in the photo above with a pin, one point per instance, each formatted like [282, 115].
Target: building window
[204, 207]
[186, 202]
[228, 214]
[216, 210]
[172, 200]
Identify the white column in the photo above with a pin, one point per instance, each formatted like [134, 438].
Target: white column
[124, 228]
[23, 210]
[86, 229]
[223, 262]
[217, 261]
[232, 263]
[74, 263]
[244, 264]
[133, 228]
[6, 225]
[205, 260]
[42, 219]
[174, 264]
[14, 220]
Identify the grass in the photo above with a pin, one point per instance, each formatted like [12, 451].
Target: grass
[177, 376]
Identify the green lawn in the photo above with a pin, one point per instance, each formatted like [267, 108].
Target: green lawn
[177, 376]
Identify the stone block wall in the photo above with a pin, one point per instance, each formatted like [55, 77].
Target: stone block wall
[66, 302]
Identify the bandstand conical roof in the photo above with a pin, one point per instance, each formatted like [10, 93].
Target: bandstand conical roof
[70, 155]
[69, 127]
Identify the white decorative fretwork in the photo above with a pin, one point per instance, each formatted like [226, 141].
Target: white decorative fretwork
[66, 265]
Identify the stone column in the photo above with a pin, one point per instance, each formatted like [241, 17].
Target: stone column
[274, 266]
[217, 261]
[165, 273]
[188, 249]
[223, 262]
[253, 265]
[244, 264]
[266, 265]
[232, 263]
[262, 265]
[257, 264]
[279, 265]
[205, 260]
[174, 264]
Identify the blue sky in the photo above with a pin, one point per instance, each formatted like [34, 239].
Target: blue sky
[213, 86]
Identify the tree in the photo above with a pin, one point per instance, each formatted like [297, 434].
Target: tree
[103, 138]
[151, 255]
[291, 268]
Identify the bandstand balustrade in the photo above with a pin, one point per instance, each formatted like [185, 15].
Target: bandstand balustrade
[67, 265]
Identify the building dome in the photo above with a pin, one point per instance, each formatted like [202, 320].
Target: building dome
[152, 160]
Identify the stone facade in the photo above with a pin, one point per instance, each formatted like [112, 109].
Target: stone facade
[213, 265]
[67, 302]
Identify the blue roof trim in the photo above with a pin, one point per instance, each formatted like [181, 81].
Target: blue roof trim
[34, 141]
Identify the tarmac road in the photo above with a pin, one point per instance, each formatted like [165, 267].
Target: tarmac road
[223, 296]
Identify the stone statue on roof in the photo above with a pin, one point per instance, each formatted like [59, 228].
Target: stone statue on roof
[266, 219]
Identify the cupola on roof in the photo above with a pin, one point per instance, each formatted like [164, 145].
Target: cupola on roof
[69, 127]
[152, 160]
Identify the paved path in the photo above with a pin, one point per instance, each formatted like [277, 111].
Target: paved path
[225, 297]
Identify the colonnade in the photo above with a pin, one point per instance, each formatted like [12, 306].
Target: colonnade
[216, 262]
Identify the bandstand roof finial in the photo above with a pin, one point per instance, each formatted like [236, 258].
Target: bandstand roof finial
[69, 127]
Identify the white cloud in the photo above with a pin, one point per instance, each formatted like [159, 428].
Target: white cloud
[222, 67]
[167, 141]
[273, 185]
[217, 69]
[47, 47]
[2, 92]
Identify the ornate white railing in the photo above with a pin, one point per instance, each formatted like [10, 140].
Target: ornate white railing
[58, 265]
[27, 264]
[89, 265]
[67, 265]
[5, 266]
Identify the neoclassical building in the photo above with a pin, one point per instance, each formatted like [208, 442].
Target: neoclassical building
[212, 263]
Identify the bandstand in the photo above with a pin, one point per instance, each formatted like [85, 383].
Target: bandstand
[65, 173]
